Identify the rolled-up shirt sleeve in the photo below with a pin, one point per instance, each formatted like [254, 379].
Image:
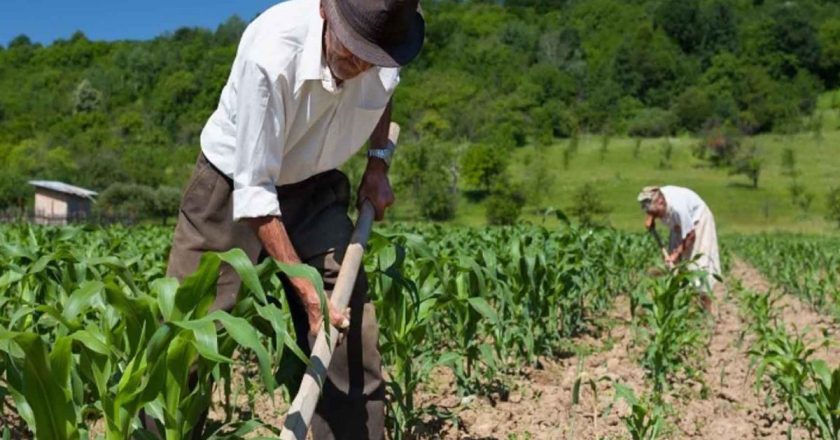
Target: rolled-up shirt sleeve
[259, 137]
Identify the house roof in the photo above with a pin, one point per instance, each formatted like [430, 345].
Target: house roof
[63, 188]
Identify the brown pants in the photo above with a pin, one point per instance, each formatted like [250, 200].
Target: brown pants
[314, 212]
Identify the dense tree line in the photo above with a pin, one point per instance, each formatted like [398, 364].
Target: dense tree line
[499, 74]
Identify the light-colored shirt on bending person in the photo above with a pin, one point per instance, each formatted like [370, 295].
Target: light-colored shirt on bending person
[685, 208]
[281, 117]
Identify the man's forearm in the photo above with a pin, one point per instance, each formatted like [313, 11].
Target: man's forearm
[686, 244]
[274, 238]
[272, 233]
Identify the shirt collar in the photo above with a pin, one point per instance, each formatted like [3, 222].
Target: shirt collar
[313, 66]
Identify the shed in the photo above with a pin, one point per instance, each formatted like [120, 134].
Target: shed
[58, 203]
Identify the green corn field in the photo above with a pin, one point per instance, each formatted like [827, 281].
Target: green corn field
[93, 333]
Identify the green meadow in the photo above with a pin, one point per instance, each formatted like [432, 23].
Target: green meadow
[738, 207]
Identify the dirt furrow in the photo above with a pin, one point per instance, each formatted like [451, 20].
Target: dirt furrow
[798, 316]
[728, 407]
[725, 406]
[540, 403]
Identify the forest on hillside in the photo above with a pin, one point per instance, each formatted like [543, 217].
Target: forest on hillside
[124, 116]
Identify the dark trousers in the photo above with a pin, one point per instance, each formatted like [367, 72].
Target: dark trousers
[314, 213]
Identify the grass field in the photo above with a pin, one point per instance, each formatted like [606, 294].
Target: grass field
[737, 206]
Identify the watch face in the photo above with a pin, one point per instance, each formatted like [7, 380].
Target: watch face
[385, 155]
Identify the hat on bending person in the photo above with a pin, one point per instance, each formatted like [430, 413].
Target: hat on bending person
[385, 33]
[645, 198]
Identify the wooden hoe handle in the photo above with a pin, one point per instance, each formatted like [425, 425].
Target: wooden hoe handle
[303, 406]
[659, 242]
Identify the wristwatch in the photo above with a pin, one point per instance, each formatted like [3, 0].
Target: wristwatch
[383, 153]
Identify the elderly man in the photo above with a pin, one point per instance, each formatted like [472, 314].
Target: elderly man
[692, 227]
[311, 82]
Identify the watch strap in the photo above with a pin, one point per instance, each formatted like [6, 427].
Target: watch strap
[385, 154]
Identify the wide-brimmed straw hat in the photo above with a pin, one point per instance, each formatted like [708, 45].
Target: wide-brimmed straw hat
[386, 33]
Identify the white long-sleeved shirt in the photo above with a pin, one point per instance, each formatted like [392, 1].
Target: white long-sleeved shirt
[281, 117]
[684, 209]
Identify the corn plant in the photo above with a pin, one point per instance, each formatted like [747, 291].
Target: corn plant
[804, 266]
[405, 308]
[822, 405]
[810, 389]
[670, 325]
[785, 360]
[483, 302]
[85, 339]
[646, 418]
[486, 284]
[762, 309]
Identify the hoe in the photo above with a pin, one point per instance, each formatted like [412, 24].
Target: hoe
[303, 406]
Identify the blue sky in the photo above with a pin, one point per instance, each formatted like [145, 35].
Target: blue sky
[46, 20]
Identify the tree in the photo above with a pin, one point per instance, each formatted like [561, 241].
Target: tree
[652, 122]
[86, 98]
[437, 199]
[748, 163]
[539, 178]
[563, 50]
[720, 28]
[648, 66]
[504, 206]
[127, 200]
[166, 202]
[682, 21]
[829, 39]
[833, 205]
[172, 98]
[20, 51]
[719, 146]
[588, 207]
[796, 36]
[21, 41]
[789, 163]
[14, 190]
[491, 73]
[482, 165]
[800, 196]
[694, 108]
[230, 31]
[428, 171]
[666, 151]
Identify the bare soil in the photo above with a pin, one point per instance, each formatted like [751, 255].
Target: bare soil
[540, 402]
[722, 404]
[797, 316]
[247, 403]
[9, 419]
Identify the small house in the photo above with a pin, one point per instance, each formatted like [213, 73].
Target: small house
[57, 203]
